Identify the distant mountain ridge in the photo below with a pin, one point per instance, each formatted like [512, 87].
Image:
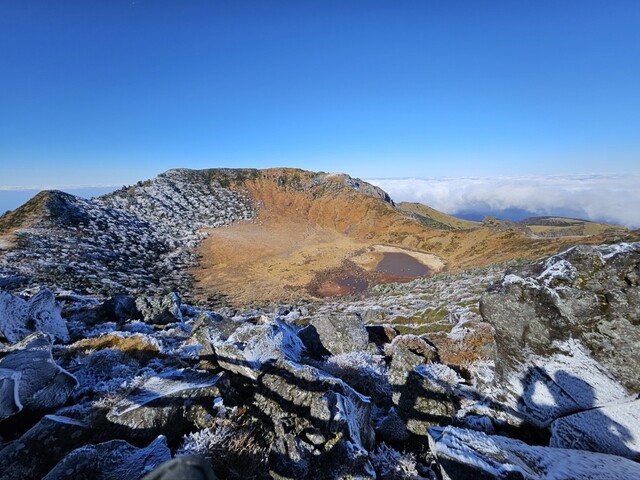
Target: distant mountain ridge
[153, 235]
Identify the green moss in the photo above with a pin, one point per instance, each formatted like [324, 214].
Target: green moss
[423, 329]
[425, 317]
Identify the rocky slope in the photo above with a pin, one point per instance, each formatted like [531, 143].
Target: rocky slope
[436, 378]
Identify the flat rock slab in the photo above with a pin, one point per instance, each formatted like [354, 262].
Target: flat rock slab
[165, 403]
[464, 453]
[114, 460]
[41, 313]
[611, 429]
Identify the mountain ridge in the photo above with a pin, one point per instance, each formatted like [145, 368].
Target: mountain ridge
[159, 234]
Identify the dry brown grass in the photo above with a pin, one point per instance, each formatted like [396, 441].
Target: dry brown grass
[476, 346]
[137, 346]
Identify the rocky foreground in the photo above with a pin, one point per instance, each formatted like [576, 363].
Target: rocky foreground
[539, 379]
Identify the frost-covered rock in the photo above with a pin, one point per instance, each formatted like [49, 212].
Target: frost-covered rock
[611, 429]
[160, 310]
[464, 453]
[363, 371]
[167, 403]
[41, 447]
[424, 396]
[320, 402]
[118, 308]
[42, 384]
[40, 313]
[112, 460]
[341, 333]
[588, 294]
[251, 346]
[546, 387]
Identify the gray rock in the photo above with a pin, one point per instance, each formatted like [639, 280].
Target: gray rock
[166, 404]
[250, 346]
[341, 333]
[160, 310]
[407, 352]
[41, 313]
[9, 400]
[112, 460]
[589, 294]
[422, 399]
[118, 308]
[613, 429]
[462, 453]
[316, 402]
[567, 331]
[393, 428]
[42, 384]
[416, 401]
[41, 447]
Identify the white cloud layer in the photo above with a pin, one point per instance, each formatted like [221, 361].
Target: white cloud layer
[611, 198]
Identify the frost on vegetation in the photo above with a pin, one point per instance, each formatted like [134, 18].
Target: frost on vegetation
[236, 451]
[390, 464]
[440, 374]
[104, 371]
[361, 370]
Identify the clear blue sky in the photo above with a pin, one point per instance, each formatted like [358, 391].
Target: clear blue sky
[109, 92]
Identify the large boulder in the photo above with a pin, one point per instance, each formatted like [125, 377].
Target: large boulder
[611, 429]
[20, 318]
[118, 308]
[41, 447]
[250, 346]
[322, 406]
[41, 384]
[586, 293]
[462, 453]
[113, 460]
[567, 330]
[167, 403]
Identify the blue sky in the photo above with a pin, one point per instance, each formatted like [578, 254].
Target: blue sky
[111, 92]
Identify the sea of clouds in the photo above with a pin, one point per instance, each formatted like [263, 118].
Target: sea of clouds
[608, 198]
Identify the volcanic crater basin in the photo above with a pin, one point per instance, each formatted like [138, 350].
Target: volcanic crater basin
[274, 259]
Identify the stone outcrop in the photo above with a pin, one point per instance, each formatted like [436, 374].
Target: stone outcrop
[250, 346]
[588, 294]
[160, 310]
[338, 333]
